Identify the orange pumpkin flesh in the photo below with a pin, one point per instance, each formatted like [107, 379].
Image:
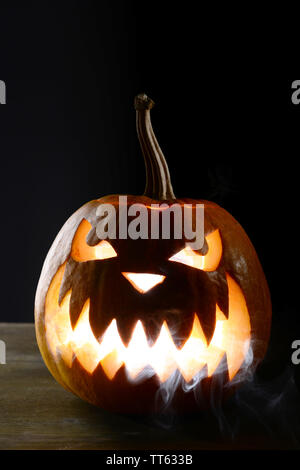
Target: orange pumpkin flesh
[116, 319]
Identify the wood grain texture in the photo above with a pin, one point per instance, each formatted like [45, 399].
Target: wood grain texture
[37, 413]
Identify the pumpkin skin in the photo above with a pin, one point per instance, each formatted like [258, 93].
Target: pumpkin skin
[184, 292]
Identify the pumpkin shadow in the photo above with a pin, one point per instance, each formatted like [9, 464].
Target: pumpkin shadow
[260, 415]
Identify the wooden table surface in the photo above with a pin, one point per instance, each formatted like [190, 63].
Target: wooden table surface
[37, 413]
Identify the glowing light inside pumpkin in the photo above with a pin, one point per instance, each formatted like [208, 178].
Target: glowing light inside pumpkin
[81, 251]
[231, 336]
[144, 281]
[208, 262]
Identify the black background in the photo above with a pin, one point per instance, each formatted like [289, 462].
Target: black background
[227, 126]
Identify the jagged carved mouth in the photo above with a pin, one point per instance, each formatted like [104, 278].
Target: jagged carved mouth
[231, 338]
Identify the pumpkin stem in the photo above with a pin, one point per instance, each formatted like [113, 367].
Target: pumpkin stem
[158, 181]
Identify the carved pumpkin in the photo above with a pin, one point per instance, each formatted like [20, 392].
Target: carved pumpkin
[117, 318]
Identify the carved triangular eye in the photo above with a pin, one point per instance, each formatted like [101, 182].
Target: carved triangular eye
[81, 251]
[208, 262]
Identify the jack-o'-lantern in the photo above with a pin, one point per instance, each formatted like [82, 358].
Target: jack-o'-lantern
[117, 317]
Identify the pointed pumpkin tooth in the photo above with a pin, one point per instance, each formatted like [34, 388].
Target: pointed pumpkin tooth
[75, 308]
[163, 354]
[180, 329]
[98, 323]
[111, 363]
[223, 294]
[224, 306]
[191, 357]
[222, 297]
[208, 328]
[85, 346]
[152, 328]
[72, 280]
[138, 352]
[126, 328]
[238, 327]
